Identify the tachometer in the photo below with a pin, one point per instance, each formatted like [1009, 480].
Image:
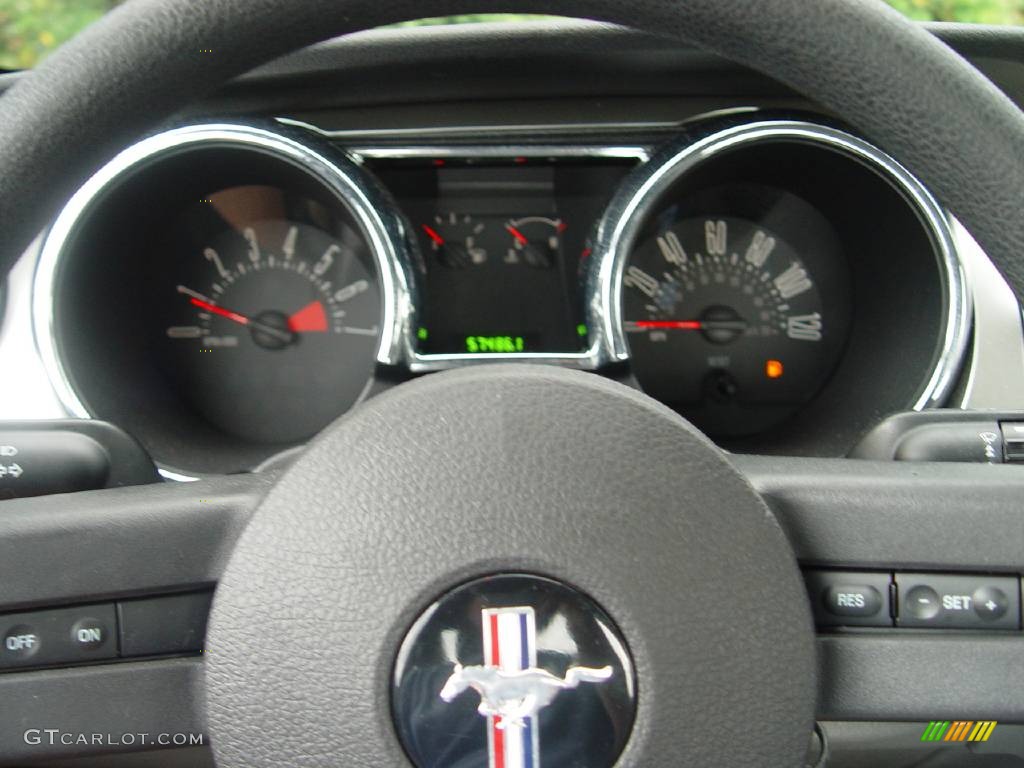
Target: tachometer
[273, 328]
[726, 319]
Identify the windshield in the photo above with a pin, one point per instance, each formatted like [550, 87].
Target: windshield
[29, 29]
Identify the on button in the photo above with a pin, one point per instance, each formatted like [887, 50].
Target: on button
[89, 634]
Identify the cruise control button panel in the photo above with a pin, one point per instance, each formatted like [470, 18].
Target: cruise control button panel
[957, 601]
[59, 636]
[849, 598]
[128, 629]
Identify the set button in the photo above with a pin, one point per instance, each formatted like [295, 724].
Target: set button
[957, 601]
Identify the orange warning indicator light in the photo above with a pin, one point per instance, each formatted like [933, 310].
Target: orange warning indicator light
[773, 369]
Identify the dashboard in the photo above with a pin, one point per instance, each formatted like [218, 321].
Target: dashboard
[294, 247]
[224, 290]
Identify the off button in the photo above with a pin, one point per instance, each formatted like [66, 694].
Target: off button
[21, 643]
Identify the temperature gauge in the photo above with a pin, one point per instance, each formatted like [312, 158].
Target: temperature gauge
[536, 241]
[456, 240]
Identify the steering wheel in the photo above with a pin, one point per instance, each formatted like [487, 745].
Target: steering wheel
[528, 487]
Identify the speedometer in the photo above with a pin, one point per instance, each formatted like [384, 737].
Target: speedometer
[731, 321]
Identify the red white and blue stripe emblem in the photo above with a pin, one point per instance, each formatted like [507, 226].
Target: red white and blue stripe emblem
[510, 644]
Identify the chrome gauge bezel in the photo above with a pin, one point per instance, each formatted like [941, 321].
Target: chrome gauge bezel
[644, 190]
[339, 164]
[365, 200]
[590, 359]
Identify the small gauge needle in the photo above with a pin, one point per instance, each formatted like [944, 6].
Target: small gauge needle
[519, 236]
[432, 234]
[203, 302]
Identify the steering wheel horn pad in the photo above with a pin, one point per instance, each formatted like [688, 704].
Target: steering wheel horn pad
[502, 470]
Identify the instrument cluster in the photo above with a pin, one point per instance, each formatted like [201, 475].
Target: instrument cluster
[226, 291]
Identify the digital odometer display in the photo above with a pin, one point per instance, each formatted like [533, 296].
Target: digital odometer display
[502, 244]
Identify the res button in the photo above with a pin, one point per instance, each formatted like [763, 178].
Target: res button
[852, 600]
[849, 598]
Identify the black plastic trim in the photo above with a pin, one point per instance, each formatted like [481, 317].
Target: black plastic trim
[895, 515]
[921, 676]
[837, 513]
[114, 701]
[126, 542]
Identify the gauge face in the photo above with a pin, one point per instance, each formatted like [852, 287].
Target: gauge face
[272, 328]
[724, 316]
[536, 241]
[455, 239]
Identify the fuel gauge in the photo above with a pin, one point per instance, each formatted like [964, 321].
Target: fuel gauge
[536, 241]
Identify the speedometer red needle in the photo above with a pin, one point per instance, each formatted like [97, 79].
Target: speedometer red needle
[310, 319]
[232, 316]
[675, 325]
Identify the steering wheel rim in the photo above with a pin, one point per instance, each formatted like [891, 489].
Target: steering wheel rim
[907, 91]
[143, 61]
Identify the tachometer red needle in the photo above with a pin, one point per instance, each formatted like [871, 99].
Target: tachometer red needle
[202, 302]
[232, 316]
[523, 240]
[675, 325]
[432, 234]
[310, 319]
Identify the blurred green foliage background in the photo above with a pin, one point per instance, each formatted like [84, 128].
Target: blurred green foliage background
[29, 29]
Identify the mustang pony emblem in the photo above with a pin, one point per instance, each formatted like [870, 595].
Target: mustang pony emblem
[517, 695]
[513, 690]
